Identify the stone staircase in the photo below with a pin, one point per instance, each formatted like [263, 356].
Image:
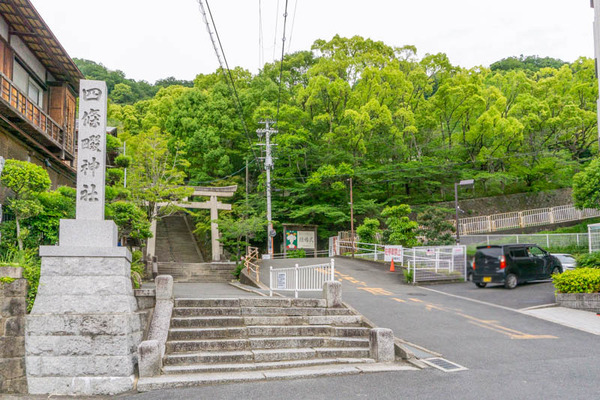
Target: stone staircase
[179, 256]
[175, 242]
[233, 340]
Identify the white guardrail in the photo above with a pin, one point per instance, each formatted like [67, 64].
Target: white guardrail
[427, 263]
[522, 219]
[308, 278]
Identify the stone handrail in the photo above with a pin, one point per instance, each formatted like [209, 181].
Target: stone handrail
[152, 350]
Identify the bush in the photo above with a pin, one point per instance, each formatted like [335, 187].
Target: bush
[238, 270]
[300, 253]
[31, 270]
[137, 269]
[580, 280]
[589, 260]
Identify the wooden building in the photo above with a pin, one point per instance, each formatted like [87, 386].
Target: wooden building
[39, 83]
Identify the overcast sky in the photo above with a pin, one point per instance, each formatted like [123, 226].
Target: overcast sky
[154, 39]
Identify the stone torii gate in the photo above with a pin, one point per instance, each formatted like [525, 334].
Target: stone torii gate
[213, 205]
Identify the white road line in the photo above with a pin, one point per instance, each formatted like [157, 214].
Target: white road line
[469, 299]
[528, 312]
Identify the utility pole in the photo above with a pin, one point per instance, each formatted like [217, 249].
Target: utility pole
[597, 50]
[267, 132]
[246, 211]
[351, 218]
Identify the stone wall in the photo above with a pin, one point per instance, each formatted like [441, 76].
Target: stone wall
[13, 306]
[579, 301]
[507, 203]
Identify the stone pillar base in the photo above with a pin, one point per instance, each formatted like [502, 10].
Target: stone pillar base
[84, 329]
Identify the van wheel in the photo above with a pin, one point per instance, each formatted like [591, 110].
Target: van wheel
[511, 281]
[481, 284]
[470, 277]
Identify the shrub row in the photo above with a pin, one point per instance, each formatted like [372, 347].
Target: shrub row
[580, 280]
[589, 260]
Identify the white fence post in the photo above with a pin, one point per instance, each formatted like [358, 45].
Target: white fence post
[332, 270]
[271, 281]
[437, 260]
[296, 280]
[547, 240]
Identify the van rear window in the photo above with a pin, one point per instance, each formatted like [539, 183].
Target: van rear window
[494, 252]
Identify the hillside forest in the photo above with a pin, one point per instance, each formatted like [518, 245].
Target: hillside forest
[405, 127]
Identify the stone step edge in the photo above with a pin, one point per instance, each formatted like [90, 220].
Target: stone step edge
[211, 378]
[253, 366]
[281, 338]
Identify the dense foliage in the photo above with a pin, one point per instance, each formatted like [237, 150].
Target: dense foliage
[405, 128]
[580, 280]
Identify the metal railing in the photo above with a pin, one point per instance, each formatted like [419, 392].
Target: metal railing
[34, 114]
[251, 262]
[549, 241]
[522, 219]
[429, 263]
[309, 278]
[309, 254]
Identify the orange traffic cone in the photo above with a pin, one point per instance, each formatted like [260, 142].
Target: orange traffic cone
[392, 268]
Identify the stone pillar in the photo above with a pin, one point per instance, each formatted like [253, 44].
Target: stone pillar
[332, 293]
[13, 306]
[84, 328]
[381, 342]
[214, 229]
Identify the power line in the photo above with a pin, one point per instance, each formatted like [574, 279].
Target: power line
[281, 63]
[419, 166]
[261, 44]
[228, 176]
[275, 35]
[293, 23]
[225, 66]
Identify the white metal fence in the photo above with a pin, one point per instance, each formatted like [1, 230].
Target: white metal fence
[594, 237]
[309, 278]
[522, 219]
[433, 263]
[549, 241]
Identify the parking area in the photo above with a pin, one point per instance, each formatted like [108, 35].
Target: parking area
[527, 295]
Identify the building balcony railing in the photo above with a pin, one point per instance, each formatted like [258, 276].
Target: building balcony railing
[38, 123]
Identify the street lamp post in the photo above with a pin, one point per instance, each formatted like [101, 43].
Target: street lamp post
[467, 182]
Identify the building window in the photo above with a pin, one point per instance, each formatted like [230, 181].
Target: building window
[24, 81]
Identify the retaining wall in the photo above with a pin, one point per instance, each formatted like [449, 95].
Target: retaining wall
[579, 301]
[13, 307]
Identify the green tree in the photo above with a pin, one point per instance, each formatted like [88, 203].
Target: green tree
[26, 181]
[132, 221]
[434, 226]
[586, 186]
[369, 231]
[400, 229]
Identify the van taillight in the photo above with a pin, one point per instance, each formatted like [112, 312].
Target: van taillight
[502, 262]
[473, 265]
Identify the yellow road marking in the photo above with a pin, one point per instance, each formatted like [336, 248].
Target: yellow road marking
[399, 300]
[377, 291]
[415, 300]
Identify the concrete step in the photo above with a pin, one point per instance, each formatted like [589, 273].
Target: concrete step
[213, 357]
[205, 322]
[207, 333]
[199, 379]
[258, 311]
[187, 369]
[286, 354]
[306, 342]
[182, 346]
[287, 330]
[293, 311]
[206, 311]
[251, 302]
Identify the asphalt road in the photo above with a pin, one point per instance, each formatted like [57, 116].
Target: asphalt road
[509, 355]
